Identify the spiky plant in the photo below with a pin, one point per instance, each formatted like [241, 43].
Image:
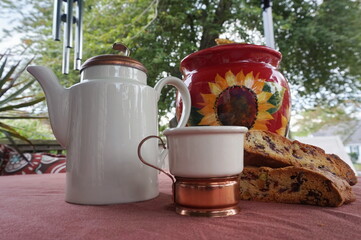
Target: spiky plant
[15, 93]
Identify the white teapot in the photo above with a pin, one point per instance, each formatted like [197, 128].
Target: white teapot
[100, 122]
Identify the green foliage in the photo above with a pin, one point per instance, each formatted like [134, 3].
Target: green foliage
[15, 93]
[38, 129]
[321, 49]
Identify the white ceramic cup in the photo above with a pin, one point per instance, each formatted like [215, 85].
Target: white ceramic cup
[204, 152]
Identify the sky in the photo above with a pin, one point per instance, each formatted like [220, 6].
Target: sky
[5, 22]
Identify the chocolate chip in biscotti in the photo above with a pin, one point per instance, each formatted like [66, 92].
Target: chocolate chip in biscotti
[249, 176]
[300, 179]
[329, 159]
[269, 141]
[295, 187]
[272, 145]
[314, 195]
[296, 155]
[260, 146]
[328, 185]
[281, 190]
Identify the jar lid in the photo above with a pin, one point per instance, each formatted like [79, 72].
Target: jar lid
[230, 53]
[113, 59]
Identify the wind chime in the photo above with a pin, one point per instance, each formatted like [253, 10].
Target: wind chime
[268, 23]
[68, 19]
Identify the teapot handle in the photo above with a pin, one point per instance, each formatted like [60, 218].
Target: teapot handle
[183, 90]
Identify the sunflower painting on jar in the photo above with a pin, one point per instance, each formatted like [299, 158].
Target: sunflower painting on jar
[242, 100]
[244, 93]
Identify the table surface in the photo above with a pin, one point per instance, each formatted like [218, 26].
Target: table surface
[33, 207]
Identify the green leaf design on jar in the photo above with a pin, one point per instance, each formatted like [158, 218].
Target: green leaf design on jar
[278, 93]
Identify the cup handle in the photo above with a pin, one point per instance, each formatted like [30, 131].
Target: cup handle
[162, 153]
[183, 90]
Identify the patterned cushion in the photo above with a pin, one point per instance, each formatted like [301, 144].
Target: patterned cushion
[4, 156]
[36, 163]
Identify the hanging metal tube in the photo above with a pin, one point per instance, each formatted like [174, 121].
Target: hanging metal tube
[69, 23]
[268, 22]
[67, 18]
[78, 52]
[66, 56]
[57, 19]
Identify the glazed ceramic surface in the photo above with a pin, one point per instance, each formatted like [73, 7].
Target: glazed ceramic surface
[100, 122]
[205, 152]
[239, 85]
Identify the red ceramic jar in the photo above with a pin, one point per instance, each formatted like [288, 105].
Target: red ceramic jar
[237, 84]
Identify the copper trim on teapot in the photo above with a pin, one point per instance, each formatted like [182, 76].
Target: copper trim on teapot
[114, 59]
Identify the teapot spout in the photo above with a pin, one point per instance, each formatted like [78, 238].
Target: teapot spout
[57, 98]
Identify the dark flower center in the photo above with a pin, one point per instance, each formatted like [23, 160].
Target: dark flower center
[237, 106]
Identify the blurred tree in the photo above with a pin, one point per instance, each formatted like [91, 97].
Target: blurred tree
[311, 121]
[320, 40]
[321, 47]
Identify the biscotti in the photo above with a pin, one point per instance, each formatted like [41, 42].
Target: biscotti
[264, 148]
[294, 185]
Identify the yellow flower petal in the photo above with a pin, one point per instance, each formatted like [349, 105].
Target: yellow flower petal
[209, 119]
[258, 86]
[215, 88]
[264, 116]
[231, 79]
[240, 78]
[265, 106]
[263, 97]
[260, 126]
[282, 129]
[221, 82]
[207, 110]
[249, 80]
[208, 99]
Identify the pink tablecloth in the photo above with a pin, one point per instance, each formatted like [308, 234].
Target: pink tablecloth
[33, 207]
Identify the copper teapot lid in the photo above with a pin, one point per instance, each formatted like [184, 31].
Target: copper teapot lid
[122, 59]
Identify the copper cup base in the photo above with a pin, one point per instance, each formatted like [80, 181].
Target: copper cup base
[199, 212]
[207, 197]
